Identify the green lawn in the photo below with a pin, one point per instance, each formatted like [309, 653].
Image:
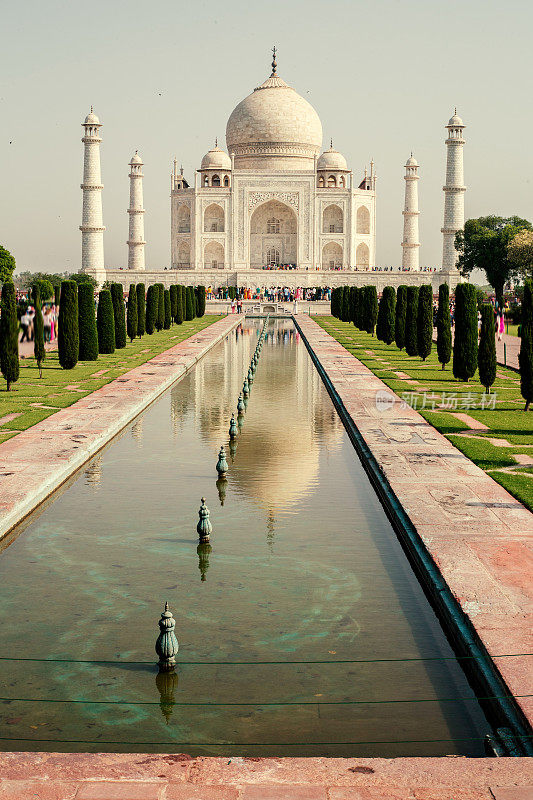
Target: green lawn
[502, 411]
[59, 388]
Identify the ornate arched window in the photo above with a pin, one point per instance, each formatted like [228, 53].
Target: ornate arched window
[206, 180]
[273, 225]
[226, 180]
[332, 180]
[342, 182]
[215, 180]
[273, 257]
[321, 182]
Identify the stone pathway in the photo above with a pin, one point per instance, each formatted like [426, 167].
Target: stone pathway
[479, 536]
[35, 462]
[142, 776]
[506, 351]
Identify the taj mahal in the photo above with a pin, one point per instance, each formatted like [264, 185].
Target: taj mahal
[274, 200]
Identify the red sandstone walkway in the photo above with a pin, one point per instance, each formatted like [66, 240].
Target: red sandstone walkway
[479, 536]
[506, 351]
[37, 461]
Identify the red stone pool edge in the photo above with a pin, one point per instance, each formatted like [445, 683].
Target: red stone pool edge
[59, 776]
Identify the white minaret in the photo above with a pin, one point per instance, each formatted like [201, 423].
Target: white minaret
[410, 243]
[92, 227]
[454, 200]
[136, 213]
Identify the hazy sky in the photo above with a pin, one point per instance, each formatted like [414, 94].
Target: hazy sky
[164, 76]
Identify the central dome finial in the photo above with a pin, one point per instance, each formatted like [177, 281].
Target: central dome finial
[274, 65]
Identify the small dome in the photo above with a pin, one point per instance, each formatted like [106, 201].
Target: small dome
[91, 118]
[216, 159]
[332, 160]
[411, 162]
[455, 121]
[136, 159]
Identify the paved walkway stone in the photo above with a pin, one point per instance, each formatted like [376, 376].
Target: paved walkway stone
[479, 536]
[38, 460]
[473, 424]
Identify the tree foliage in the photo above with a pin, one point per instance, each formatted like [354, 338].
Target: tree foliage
[68, 336]
[424, 323]
[178, 319]
[160, 318]
[486, 356]
[173, 301]
[483, 244]
[386, 315]
[88, 334]
[520, 254]
[525, 357]
[168, 315]
[141, 309]
[39, 351]
[131, 316]
[46, 289]
[201, 300]
[411, 320]
[119, 312]
[152, 300]
[189, 303]
[371, 308]
[7, 265]
[444, 326]
[465, 337]
[105, 322]
[9, 335]
[401, 316]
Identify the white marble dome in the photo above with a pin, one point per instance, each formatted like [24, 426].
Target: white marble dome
[332, 160]
[455, 121]
[136, 159]
[274, 127]
[216, 159]
[411, 161]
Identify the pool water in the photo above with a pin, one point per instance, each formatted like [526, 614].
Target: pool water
[302, 627]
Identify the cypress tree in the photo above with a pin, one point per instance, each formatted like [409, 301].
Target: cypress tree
[371, 311]
[411, 318]
[87, 323]
[465, 339]
[173, 301]
[141, 309]
[189, 303]
[386, 315]
[168, 315]
[152, 299]
[425, 321]
[334, 303]
[195, 296]
[346, 304]
[486, 356]
[179, 305]
[444, 326]
[117, 295]
[131, 320]
[401, 316]
[525, 357]
[160, 318]
[360, 310]
[38, 332]
[68, 337]
[9, 335]
[201, 301]
[105, 323]
[57, 294]
[353, 303]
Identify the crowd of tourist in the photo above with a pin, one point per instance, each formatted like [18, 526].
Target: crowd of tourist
[50, 313]
[272, 294]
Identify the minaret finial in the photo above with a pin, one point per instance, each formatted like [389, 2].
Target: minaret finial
[331, 143]
[455, 111]
[91, 108]
[216, 141]
[274, 64]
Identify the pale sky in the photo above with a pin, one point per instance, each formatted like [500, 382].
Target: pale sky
[164, 76]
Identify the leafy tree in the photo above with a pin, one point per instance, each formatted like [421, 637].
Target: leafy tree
[88, 334]
[46, 290]
[525, 357]
[57, 294]
[82, 277]
[173, 301]
[201, 301]
[160, 318]
[9, 335]
[168, 315]
[520, 254]
[425, 321]
[401, 317]
[189, 303]
[152, 300]
[371, 298]
[483, 244]
[179, 305]
[386, 315]
[131, 317]
[105, 322]
[39, 351]
[486, 356]
[7, 266]
[444, 326]
[117, 295]
[195, 296]
[411, 320]
[68, 337]
[141, 309]
[465, 338]
[335, 302]
[360, 309]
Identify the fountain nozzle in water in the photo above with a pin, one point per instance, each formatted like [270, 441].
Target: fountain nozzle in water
[233, 429]
[204, 526]
[167, 645]
[222, 464]
[241, 408]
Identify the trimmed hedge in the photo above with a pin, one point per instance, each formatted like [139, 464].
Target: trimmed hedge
[425, 321]
[152, 300]
[117, 295]
[141, 309]
[168, 315]
[486, 354]
[88, 334]
[386, 315]
[189, 303]
[201, 301]
[465, 339]
[444, 326]
[39, 351]
[9, 335]
[525, 357]
[131, 316]
[178, 319]
[68, 337]
[160, 318]
[105, 323]
[371, 308]
[173, 301]
[411, 319]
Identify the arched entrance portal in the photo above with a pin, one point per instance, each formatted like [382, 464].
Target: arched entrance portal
[273, 235]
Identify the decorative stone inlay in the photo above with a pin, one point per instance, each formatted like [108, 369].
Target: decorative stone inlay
[291, 198]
